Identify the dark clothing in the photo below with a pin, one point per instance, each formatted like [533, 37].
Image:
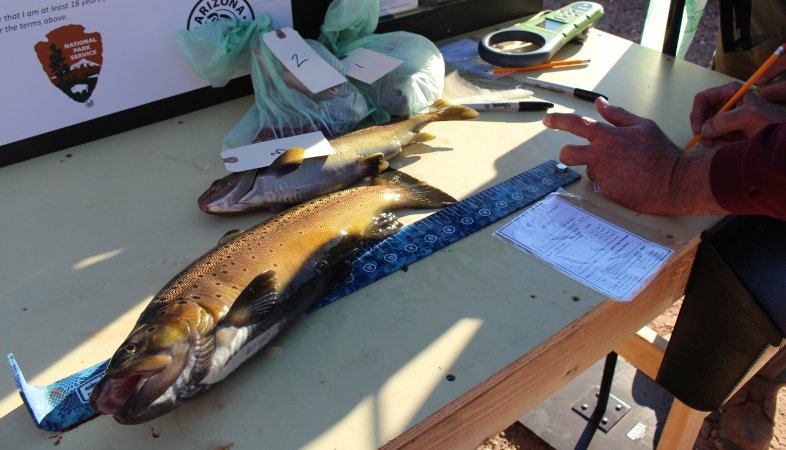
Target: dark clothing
[749, 177]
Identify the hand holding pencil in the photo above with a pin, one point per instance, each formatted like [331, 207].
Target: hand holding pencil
[742, 90]
[751, 114]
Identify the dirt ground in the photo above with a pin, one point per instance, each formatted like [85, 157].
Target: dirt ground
[625, 18]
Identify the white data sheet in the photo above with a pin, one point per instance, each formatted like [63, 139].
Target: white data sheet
[585, 247]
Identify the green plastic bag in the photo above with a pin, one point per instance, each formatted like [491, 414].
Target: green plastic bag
[411, 87]
[283, 106]
[287, 108]
[217, 49]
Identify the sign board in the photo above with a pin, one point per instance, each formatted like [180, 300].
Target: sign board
[78, 70]
[68, 62]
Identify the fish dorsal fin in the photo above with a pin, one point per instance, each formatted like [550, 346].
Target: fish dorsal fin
[228, 236]
[288, 162]
[422, 136]
[376, 161]
[255, 302]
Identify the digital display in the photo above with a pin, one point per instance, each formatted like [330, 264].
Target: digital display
[550, 25]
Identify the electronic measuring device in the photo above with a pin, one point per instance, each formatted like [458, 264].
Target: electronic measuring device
[549, 31]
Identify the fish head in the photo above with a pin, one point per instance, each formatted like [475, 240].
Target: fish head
[155, 365]
[225, 195]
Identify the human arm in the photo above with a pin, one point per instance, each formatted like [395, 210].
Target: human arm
[749, 177]
[636, 165]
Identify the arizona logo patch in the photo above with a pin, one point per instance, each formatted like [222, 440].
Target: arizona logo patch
[211, 10]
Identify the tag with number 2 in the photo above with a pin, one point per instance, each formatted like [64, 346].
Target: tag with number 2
[299, 58]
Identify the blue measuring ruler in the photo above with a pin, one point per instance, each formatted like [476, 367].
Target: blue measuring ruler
[65, 404]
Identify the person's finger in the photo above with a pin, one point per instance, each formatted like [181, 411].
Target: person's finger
[706, 103]
[722, 123]
[574, 155]
[581, 126]
[616, 115]
[773, 92]
[778, 68]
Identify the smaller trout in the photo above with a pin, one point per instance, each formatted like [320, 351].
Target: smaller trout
[291, 179]
[230, 303]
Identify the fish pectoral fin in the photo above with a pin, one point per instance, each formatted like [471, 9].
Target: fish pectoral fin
[203, 355]
[255, 302]
[228, 236]
[288, 162]
[375, 161]
[342, 248]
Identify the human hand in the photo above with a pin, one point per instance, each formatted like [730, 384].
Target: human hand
[635, 163]
[775, 92]
[742, 121]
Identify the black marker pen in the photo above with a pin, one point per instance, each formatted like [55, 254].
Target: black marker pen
[511, 106]
[576, 92]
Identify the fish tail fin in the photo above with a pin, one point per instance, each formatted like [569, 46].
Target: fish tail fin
[445, 110]
[419, 194]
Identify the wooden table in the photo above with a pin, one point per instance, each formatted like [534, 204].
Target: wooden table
[89, 234]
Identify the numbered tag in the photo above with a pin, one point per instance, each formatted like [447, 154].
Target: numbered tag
[367, 65]
[304, 63]
[262, 154]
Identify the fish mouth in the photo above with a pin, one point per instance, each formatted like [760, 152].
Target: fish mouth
[110, 394]
[224, 195]
[132, 399]
[134, 396]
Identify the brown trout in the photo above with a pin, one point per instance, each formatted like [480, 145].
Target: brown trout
[290, 179]
[235, 299]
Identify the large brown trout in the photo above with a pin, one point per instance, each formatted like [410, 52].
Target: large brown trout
[240, 295]
[290, 179]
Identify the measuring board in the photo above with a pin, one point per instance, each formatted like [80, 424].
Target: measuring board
[65, 403]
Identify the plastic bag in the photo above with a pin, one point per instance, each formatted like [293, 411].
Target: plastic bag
[283, 106]
[411, 87]
[217, 49]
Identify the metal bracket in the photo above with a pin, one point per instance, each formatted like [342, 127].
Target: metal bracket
[615, 409]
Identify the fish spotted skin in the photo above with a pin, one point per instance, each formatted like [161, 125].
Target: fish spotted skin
[235, 299]
[292, 179]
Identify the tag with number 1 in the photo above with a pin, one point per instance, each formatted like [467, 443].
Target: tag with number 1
[300, 59]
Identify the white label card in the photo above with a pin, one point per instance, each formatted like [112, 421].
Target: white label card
[262, 154]
[300, 59]
[367, 65]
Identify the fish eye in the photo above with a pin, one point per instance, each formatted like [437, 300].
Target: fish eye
[129, 348]
[152, 329]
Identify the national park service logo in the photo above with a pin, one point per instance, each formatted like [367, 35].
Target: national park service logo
[212, 10]
[72, 60]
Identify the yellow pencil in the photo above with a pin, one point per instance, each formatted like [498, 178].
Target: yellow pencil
[738, 95]
[572, 62]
